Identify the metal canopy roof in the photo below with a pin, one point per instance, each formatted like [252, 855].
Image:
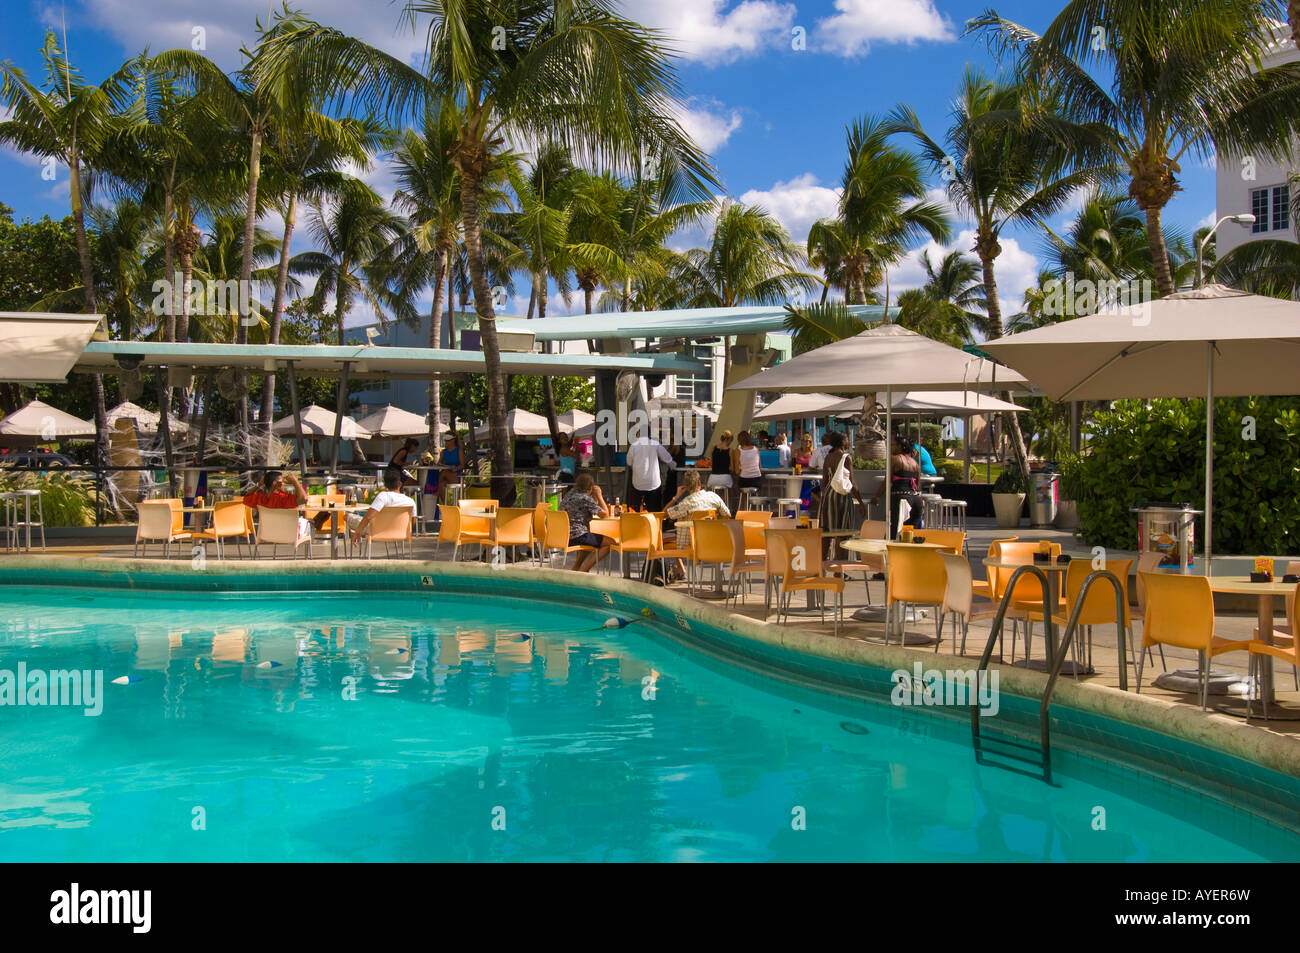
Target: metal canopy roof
[683, 322]
[41, 347]
[395, 363]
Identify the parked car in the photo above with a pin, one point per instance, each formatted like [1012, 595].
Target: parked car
[35, 460]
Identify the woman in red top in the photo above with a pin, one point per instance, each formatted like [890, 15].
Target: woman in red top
[272, 494]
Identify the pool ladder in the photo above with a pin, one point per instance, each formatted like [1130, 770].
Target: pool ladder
[1039, 758]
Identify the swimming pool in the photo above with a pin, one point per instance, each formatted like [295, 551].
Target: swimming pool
[405, 726]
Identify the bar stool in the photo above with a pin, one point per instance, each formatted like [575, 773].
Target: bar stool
[750, 500]
[26, 523]
[931, 510]
[417, 494]
[9, 508]
[789, 506]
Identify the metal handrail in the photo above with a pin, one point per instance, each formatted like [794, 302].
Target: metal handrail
[1058, 656]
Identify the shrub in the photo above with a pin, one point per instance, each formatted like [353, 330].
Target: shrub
[1155, 451]
[66, 499]
[1010, 480]
[953, 472]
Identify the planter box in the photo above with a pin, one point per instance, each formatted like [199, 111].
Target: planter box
[1067, 515]
[1008, 507]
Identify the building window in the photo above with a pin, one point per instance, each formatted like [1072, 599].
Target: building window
[1259, 208]
[1275, 200]
[697, 390]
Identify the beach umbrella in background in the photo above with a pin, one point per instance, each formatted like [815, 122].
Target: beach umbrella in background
[146, 421]
[1209, 342]
[574, 420]
[38, 422]
[390, 421]
[795, 406]
[885, 358]
[519, 423]
[316, 421]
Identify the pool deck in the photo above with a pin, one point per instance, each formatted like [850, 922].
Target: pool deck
[1276, 743]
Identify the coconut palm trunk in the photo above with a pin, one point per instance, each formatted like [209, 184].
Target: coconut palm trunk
[548, 390]
[435, 341]
[277, 306]
[1159, 253]
[88, 298]
[503, 483]
[1010, 423]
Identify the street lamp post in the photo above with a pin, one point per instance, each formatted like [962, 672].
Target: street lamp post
[1244, 219]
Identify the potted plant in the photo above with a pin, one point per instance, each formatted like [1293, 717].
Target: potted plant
[1009, 492]
[868, 474]
[1070, 489]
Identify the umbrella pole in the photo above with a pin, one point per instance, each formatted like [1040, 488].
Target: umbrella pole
[297, 430]
[338, 422]
[1209, 452]
[889, 461]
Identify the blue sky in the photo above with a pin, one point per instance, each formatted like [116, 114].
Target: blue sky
[772, 116]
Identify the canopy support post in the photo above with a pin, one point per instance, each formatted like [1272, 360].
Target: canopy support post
[338, 421]
[1209, 452]
[293, 408]
[889, 464]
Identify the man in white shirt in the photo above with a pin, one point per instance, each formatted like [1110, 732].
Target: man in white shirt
[643, 459]
[360, 525]
[818, 459]
[783, 450]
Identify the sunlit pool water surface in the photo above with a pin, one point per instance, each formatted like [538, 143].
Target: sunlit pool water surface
[301, 726]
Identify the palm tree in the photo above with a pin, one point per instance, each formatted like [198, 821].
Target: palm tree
[815, 325]
[883, 211]
[305, 164]
[1184, 78]
[356, 235]
[1008, 159]
[67, 121]
[529, 70]
[950, 305]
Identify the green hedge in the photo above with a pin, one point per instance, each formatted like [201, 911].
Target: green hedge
[1155, 451]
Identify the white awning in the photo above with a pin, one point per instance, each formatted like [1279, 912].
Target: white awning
[41, 348]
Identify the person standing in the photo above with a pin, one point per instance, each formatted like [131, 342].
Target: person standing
[721, 476]
[783, 450]
[745, 462]
[903, 485]
[643, 459]
[836, 509]
[402, 459]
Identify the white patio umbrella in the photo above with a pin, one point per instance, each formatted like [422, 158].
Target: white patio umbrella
[316, 421]
[793, 406]
[146, 421]
[390, 421]
[1213, 341]
[38, 421]
[884, 358]
[575, 419]
[519, 423]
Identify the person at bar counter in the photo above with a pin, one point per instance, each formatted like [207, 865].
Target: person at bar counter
[903, 486]
[745, 462]
[643, 459]
[402, 459]
[273, 492]
[451, 461]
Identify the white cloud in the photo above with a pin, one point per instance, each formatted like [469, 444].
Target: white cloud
[858, 23]
[1209, 220]
[797, 203]
[167, 24]
[1015, 269]
[710, 124]
[715, 31]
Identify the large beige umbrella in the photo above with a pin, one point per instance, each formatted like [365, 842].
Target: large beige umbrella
[884, 358]
[316, 421]
[574, 420]
[390, 421]
[38, 422]
[937, 403]
[1213, 341]
[146, 421]
[519, 423]
[792, 406]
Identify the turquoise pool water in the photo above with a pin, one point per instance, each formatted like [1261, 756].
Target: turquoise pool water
[233, 740]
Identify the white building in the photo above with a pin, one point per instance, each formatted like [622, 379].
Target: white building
[1247, 183]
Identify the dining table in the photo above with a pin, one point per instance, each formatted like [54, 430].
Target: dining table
[1262, 702]
[894, 626]
[1055, 572]
[336, 530]
[199, 520]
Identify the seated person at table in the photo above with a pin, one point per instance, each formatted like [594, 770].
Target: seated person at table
[923, 457]
[274, 493]
[389, 496]
[690, 498]
[583, 503]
